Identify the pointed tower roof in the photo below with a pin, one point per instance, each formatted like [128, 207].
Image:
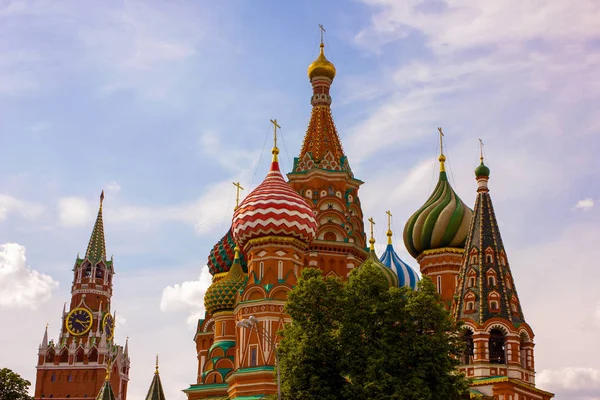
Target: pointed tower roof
[485, 287]
[106, 392]
[443, 221]
[322, 148]
[96, 250]
[45, 338]
[155, 392]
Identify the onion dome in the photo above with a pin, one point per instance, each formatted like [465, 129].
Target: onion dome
[406, 275]
[321, 66]
[443, 221]
[482, 169]
[221, 295]
[222, 255]
[274, 209]
[372, 259]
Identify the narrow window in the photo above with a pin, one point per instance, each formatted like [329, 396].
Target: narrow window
[253, 356]
[491, 281]
[261, 270]
[439, 284]
[280, 270]
[223, 328]
[470, 306]
[488, 258]
[473, 259]
[53, 378]
[494, 305]
[69, 378]
[471, 281]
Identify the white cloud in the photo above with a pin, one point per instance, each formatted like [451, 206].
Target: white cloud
[74, 211]
[571, 383]
[120, 321]
[585, 204]
[10, 204]
[113, 187]
[188, 296]
[21, 286]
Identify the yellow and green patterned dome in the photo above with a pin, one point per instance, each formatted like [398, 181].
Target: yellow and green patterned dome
[443, 221]
[221, 295]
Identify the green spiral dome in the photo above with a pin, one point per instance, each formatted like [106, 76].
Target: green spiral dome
[443, 221]
[390, 275]
[221, 295]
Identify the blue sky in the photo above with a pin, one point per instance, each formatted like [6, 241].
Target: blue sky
[164, 104]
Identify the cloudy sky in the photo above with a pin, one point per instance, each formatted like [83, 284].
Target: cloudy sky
[164, 104]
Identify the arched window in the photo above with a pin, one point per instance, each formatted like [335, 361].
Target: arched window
[523, 350]
[496, 346]
[53, 378]
[69, 378]
[471, 281]
[439, 284]
[79, 355]
[470, 305]
[99, 272]
[50, 356]
[491, 281]
[473, 259]
[489, 258]
[469, 348]
[329, 236]
[93, 356]
[494, 305]
[87, 271]
[64, 356]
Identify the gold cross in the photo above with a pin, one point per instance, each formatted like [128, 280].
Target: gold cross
[389, 214]
[481, 150]
[156, 364]
[372, 224]
[275, 126]
[441, 141]
[322, 31]
[237, 195]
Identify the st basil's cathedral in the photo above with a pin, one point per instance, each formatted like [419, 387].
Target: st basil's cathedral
[312, 219]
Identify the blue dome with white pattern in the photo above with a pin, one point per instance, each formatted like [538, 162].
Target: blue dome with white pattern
[406, 275]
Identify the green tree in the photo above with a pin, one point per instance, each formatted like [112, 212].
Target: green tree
[364, 340]
[309, 352]
[12, 386]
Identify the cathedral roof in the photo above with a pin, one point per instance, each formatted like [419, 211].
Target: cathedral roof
[96, 250]
[221, 295]
[389, 274]
[406, 275]
[443, 221]
[155, 392]
[485, 287]
[106, 391]
[321, 66]
[274, 209]
[222, 254]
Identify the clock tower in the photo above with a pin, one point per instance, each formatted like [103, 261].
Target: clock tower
[74, 366]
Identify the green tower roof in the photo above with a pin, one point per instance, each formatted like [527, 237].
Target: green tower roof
[221, 295]
[96, 250]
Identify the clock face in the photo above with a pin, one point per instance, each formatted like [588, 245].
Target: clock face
[108, 325]
[79, 321]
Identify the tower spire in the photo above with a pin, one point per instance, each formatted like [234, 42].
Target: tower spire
[96, 250]
[372, 239]
[442, 157]
[389, 231]
[156, 369]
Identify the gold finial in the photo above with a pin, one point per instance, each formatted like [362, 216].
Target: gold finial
[108, 369]
[442, 157]
[156, 370]
[322, 32]
[389, 231]
[237, 195]
[101, 198]
[236, 249]
[275, 150]
[372, 239]
[481, 150]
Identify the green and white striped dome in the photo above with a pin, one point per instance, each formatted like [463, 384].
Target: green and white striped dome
[443, 221]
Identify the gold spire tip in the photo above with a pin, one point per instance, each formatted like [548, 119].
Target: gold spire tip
[372, 239]
[101, 198]
[156, 370]
[275, 150]
[238, 187]
[389, 231]
[236, 249]
[442, 157]
[108, 369]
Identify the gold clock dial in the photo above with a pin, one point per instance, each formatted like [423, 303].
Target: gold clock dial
[79, 321]
[108, 325]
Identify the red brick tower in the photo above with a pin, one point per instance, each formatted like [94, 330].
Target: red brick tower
[74, 367]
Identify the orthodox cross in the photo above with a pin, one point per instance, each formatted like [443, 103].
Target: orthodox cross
[389, 214]
[275, 126]
[322, 31]
[441, 141]
[481, 150]
[237, 194]
[372, 222]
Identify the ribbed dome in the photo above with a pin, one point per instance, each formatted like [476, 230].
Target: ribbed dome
[390, 275]
[273, 208]
[406, 275]
[321, 66]
[221, 295]
[443, 221]
[222, 254]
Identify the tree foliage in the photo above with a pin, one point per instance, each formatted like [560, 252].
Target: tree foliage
[12, 386]
[364, 340]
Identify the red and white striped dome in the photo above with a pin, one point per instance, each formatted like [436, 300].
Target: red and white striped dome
[273, 209]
